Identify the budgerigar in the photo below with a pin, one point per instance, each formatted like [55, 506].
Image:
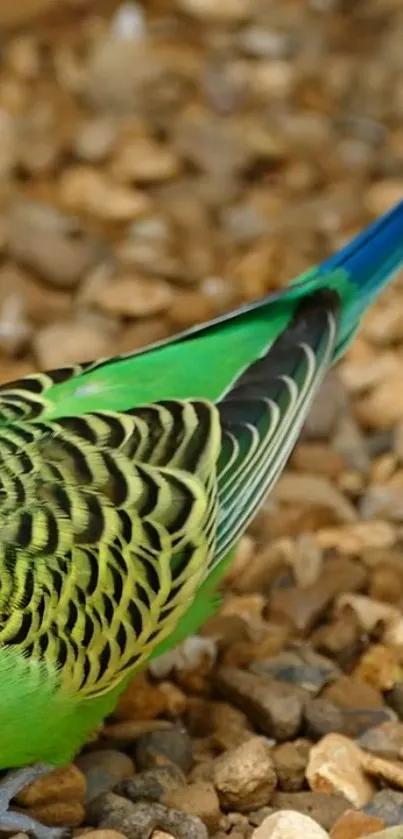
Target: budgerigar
[126, 484]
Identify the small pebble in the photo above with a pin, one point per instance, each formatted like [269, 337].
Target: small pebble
[301, 665]
[70, 342]
[323, 717]
[352, 693]
[354, 824]
[384, 740]
[103, 769]
[110, 811]
[87, 191]
[170, 746]
[198, 799]
[245, 777]
[340, 639]
[380, 667]
[144, 161]
[290, 761]
[303, 607]
[51, 243]
[387, 771]
[387, 804]
[152, 784]
[141, 702]
[308, 489]
[275, 707]
[67, 784]
[335, 765]
[58, 813]
[131, 296]
[288, 825]
[95, 140]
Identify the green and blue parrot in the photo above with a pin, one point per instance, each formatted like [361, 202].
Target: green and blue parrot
[126, 484]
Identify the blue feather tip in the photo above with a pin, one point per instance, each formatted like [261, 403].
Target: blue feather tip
[373, 256]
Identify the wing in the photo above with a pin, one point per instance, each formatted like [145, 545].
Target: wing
[107, 529]
[263, 413]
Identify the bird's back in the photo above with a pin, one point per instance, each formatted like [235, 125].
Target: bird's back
[107, 527]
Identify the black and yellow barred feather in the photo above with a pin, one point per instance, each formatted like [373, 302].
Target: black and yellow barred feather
[115, 516]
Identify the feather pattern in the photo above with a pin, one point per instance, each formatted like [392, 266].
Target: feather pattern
[262, 415]
[115, 517]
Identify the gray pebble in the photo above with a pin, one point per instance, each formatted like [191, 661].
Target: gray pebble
[300, 665]
[152, 784]
[173, 744]
[103, 768]
[323, 717]
[138, 821]
[387, 804]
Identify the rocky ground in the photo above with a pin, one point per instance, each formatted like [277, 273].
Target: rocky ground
[158, 165]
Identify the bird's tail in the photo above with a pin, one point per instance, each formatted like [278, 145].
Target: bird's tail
[205, 361]
[361, 270]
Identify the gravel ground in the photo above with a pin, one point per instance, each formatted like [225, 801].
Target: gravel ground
[158, 165]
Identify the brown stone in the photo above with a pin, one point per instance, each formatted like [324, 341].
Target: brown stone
[66, 784]
[354, 824]
[58, 813]
[290, 761]
[131, 296]
[86, 190]
[70, 342]
[380, 666]
[141, 701]
[350, 692]
[197, 799]
[275, 707]
[303, 607]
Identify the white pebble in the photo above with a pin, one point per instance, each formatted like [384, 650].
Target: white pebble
[288, 824]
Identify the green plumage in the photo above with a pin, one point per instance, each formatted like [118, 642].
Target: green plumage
[126, 484]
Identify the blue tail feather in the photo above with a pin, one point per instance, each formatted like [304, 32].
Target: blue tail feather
[374, 255]
[369, 261]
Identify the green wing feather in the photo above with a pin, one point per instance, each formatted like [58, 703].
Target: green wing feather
[262, 415]
[112, 523]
